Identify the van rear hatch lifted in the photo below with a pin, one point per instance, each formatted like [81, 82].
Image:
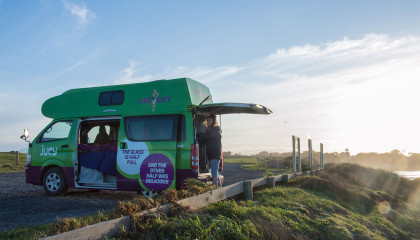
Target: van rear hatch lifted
[226, 108]
[229, 108]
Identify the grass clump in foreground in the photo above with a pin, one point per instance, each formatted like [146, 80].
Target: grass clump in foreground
[342, 202]
[192, 187]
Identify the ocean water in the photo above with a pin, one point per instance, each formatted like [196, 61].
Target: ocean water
[409, 174]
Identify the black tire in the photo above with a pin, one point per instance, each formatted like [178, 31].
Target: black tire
[54, 182]
[146, 193]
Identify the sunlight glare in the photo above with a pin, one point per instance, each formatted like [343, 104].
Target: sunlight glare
[384, 207]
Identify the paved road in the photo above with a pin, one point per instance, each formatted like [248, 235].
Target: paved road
[24, 204]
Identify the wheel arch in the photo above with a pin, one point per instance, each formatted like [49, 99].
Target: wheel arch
[50, 163]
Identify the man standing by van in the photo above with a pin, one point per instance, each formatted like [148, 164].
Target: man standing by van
[213, 140]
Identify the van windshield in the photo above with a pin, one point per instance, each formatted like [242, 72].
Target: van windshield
[152, 128]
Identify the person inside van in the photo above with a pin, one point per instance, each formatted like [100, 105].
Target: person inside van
[102, 136]
[213, 141]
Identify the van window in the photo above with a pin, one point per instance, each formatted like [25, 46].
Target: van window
[152, 128]
[57, 131]
[111, 98]
[99, 132]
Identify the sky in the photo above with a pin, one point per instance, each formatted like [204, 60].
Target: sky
[344, 73]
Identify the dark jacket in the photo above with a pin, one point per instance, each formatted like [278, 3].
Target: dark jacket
[213, 141]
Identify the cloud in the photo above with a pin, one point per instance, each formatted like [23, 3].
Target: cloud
[92, 56]
[360, 94]
[352, 93]
[132, 73]
[82, 13]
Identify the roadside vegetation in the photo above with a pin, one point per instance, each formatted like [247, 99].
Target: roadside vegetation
[344, 201]
[193, 187]
[394, 160]
[276, 164]
[8, 162]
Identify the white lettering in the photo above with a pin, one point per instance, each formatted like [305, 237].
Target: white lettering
[152, 165]
[48, 151]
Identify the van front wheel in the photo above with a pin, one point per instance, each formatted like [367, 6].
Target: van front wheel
[54, 182]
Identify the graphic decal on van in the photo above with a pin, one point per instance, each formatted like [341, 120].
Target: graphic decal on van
[129, 160]
[157, 172]
[154, 99]
[48, 151]
[154, 171]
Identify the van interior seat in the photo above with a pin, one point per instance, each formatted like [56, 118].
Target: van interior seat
[102, 136]
[102, 158]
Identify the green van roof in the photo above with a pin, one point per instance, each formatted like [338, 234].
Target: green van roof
[173, 95]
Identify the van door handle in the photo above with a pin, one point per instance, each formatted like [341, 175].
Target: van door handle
[65, 146]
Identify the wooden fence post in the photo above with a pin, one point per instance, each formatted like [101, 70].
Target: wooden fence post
[271, 182]
[299, 160]
[17, 158]
[321, 157]
[294, 154]
[285, 179]
[248, 195]
[310, 153]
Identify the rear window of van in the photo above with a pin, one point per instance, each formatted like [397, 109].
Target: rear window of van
[169, 127]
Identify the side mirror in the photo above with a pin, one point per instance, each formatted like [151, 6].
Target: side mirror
[25, 135]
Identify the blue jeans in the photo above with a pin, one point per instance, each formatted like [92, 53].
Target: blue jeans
[214, 165]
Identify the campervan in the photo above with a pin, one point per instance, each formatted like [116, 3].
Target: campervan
[139, 137]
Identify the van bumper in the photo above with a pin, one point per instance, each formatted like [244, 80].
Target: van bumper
[30, 170]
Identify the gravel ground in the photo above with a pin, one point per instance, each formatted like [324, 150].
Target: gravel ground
[233, 173]
[23, 204]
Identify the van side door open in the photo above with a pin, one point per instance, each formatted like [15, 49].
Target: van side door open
[97, 153]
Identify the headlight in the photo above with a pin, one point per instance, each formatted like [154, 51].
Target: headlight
[28, 159]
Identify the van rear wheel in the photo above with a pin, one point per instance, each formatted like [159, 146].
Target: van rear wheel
[148, 194]
[54, 182]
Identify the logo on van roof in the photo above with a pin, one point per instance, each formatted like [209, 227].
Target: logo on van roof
[154, 99]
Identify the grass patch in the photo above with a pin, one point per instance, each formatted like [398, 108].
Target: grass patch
[242, 159]
[280, 213]
[192, 187]
[251, 163]
[342, 202]
[8, 162]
